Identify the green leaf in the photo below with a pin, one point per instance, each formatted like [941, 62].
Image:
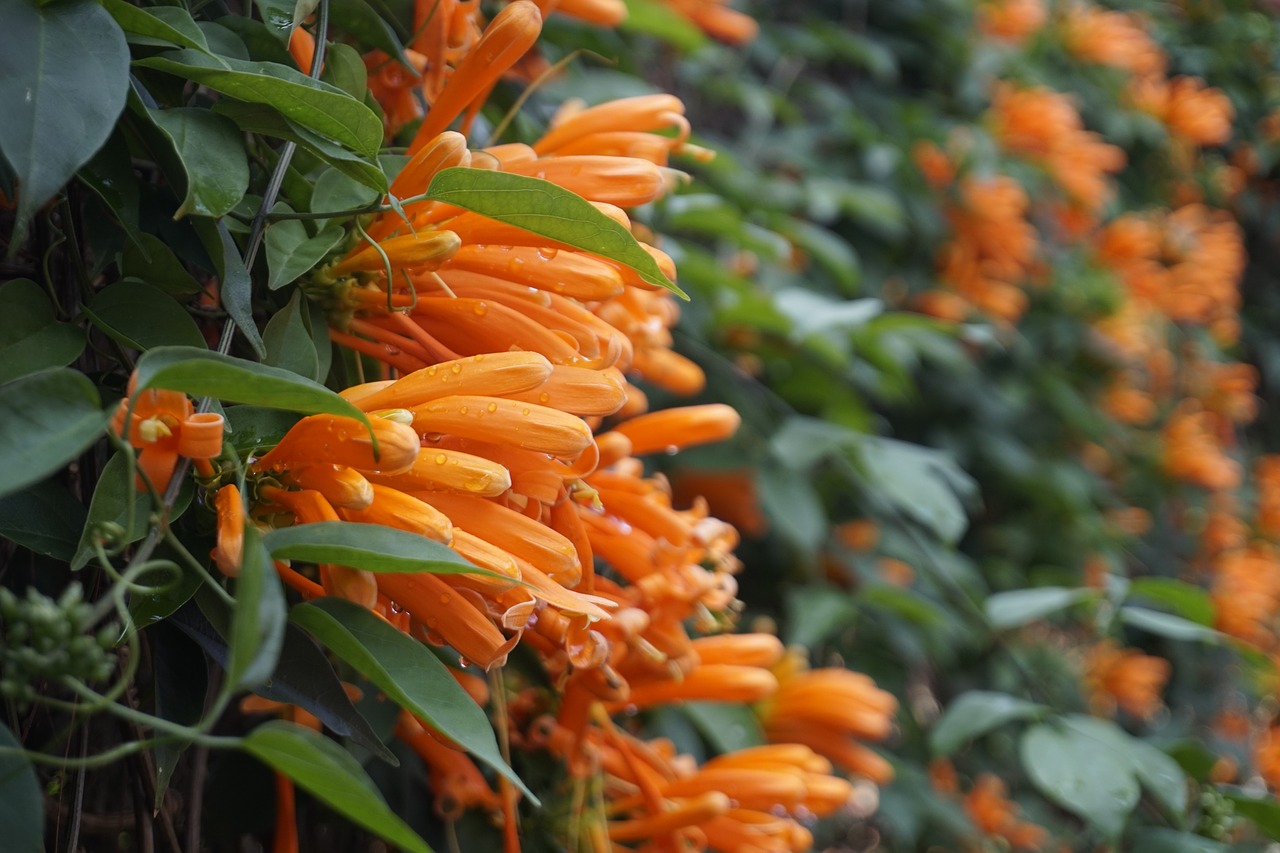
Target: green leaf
[816, 612]
[21, 806]
[64, 72]
[110, 505]
[337, 191]
[253, 427]
[330, 774]
[794, 505]
[1265, 813]
[291, 251]
[257, 626]
[344, 69]
[146, 609]
[312, 104]
[31, 338]
[923, 484]
[206, 373]
[547, 210]
[142, 317]
[1160, 839]
[288, 342]
[181, 682]
[1082, 774]
[371, 547]
[236, 290]
[43, 517]
[1184, 599]
[1168, 625]
[155, 263]
[259, 118]
[161, 25]
[974, 714]
[728, 727]
[1020, 606]
[46, 420]
[654, 18]
[357, 18]
[407, 672]
[212, 152]
[1158, 772]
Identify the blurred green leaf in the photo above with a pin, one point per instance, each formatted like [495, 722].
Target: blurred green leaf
[1082, 774]
[46, 420]
[43, 517]
[1168, 625]
[975, 713]
[31, 338]
[547, 210]
[329, 773]
[923, 484]
[21, 805]
[1017, 607]
[816, 612]
[1263, 812]
[407, 672]
[727, 727]
[1184, 599]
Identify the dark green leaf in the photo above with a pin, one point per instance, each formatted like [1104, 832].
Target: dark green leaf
[794, 505]
[337, 191]
[110, 174]
[1082, 774]
[43, 517]
[371, 547]
[288, 342]
[31, 338]
[253, 427]
[407, 672]
[155, 263]
[259, 118]
[64, 72]
[181, 681]
[547, 210]
[1168, 625]
[344, 69]
[170, 593]
[257, 626]
[1159, 839]
[727, 727]
[291, 252]
[206, 373]
[21, 806]
[1265, 813]
[328, 772]
[224, 43]
[1020, 606]
[142, 317]
[112, 499]
[161, 25]
[974, 714]
[46, 420]
[310, 103]
[358, 19]
[212, 152]
[237, 287]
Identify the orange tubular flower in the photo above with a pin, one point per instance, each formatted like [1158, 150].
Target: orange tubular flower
[1124, 678]
[228, 553]
[994, 815]
[1103, 37]
[717, 20]
[339, 440]
[164, 426]
[678, 428]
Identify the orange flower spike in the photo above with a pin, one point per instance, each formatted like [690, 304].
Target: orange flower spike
[763, 650]
[442, 469]
[444, 610]
[227, 554]
[507, 38]
[391, 507]
[425, 250]
[688, 812]
[680, 428]
[525, 425]
[517, 534]
[345, 441]
[580, 391]
[344, 488]
[495, 374]
[594, 607]
[642, 113]
[624, 181]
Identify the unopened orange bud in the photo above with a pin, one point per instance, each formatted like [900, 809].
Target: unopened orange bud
[678, 428]
[340, 440]
[494, 374]
[422, 251]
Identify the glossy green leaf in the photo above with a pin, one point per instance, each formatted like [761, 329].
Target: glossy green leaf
[259, 118]
[257, 626]
[1082, 774]
[46, 420]
[161, 25]
[64, 72]
[337, 191]
[1020, 606]
[21, 805]
[288, 342]
[43, 517]
[152, 261]
[330, 774]
[547, 210]
[310, 103]
[728, 727]
[1168, 625]
[142, 317]
[371, 547]
[212, 152]
[1184, 599]
[975, 713]
[31, 338]
[407, 672]
[291, 251]
[206, 373]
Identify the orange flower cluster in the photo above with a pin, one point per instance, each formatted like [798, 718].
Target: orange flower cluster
[990, 809]
[1125, 679]
[1011, 20]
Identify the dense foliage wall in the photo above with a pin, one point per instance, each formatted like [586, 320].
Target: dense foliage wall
[639, 426]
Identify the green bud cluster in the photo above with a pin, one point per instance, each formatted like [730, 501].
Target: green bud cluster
[1217, 814]
[42, 639]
